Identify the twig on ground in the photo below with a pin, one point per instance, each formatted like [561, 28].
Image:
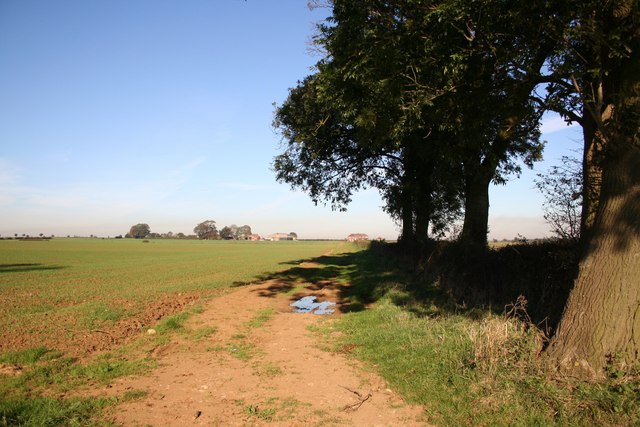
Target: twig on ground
[358, 404]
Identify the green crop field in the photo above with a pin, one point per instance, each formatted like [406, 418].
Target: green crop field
[53, 292]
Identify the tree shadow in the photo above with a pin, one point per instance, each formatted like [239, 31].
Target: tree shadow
[539, 275]
[357, 279]
[27, 267]
[451, 280]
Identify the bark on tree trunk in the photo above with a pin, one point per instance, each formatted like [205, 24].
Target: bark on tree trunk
[602, 316]
[476, 209]
[406, 198]
[407, 216]
[592, 176]
[423, 213]
[601, 321]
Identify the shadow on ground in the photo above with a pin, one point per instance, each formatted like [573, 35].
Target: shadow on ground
[22, 268]
[531, 279]
[356, 278]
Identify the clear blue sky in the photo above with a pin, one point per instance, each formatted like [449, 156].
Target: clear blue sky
[119, 112]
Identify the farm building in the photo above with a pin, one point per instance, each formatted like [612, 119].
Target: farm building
[282, 236]
[357, 237]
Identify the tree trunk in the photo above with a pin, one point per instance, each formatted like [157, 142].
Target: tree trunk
[406, 197]
[602, 316]
[424, 209]
[476, 209]
[601, 322]
[592, 176]
[407, 216]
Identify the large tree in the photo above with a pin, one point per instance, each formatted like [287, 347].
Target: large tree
[139, 231]
[437, 92]
[243, 232]
[429, 99]
[348, 127]
[206, 230]
[226, 233]
[601, 322]
[326, 154]
[491, 54]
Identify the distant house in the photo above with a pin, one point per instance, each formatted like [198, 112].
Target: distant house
[355, 237]
[255, 237]
[281, 236]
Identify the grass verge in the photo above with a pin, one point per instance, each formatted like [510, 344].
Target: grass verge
[477, 368]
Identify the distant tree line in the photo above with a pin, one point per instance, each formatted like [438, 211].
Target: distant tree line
[24, 236]
[205, 230]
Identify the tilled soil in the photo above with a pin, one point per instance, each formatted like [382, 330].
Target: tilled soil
[71, 340]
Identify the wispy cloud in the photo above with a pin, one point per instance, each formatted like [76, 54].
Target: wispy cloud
[94, 199]
[554, 124]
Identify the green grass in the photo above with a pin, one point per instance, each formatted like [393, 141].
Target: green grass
[272, 410]
[469, 371]
[81, 284]
[204, 332]
[172, 323]
[465, 366]
[25, 357]
[25, 399]
[261, 318]
[67, 287]
[47, 411]
[66, 373]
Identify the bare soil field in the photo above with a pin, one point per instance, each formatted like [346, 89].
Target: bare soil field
[87, 342]
[261, 366]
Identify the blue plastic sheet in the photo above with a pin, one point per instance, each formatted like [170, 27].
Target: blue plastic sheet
[309, 305]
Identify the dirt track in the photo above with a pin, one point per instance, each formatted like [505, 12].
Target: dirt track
[267, 374]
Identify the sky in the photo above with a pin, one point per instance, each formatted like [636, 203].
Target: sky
[114, 113]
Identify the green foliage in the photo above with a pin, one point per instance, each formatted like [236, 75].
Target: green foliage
[139, 231]
[206, 230]
[426, 101]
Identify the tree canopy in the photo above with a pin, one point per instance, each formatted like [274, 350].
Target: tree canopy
[206, 230]
[139, 231]
[430, 101]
